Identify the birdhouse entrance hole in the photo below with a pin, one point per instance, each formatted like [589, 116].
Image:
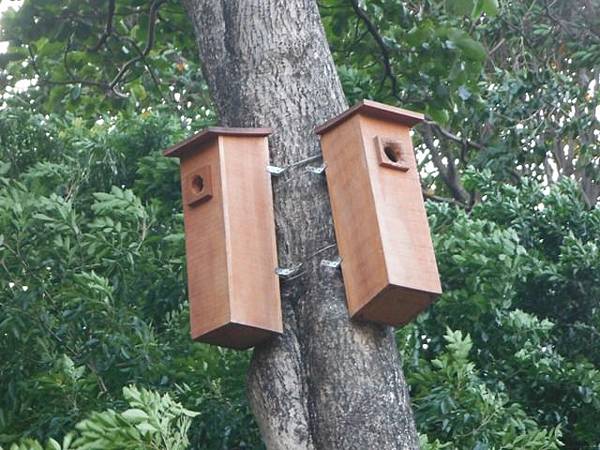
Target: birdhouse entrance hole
[197, 184]
[197, 187]
[392, 151]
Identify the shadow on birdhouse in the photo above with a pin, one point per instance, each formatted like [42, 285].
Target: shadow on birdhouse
[388, 264]
[229, 236]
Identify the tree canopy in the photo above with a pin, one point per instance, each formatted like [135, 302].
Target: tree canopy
[93, 308]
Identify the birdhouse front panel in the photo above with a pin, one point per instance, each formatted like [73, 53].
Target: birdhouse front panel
[206, 250]
[381, 226]
[230, 237]
[354, 214]
[405, 234]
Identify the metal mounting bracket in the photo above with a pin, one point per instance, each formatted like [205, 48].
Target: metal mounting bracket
[317, 170]
[331, 263]
[276, 171]
[288, 272]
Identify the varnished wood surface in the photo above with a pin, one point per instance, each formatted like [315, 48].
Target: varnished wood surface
[388, 263]
[250, 233]
[405, 235]
[206, 252]
[354, 214]
[374, 109]
[230, 241]
[208, 135]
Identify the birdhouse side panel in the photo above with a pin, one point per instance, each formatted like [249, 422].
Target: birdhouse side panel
[402, 219]
[354, 215]
[250, 228]
[206, 255]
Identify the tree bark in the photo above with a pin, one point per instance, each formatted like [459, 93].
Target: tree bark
[327, 382]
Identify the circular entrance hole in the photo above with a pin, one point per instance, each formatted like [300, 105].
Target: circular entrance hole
[197, 184]
[391, 152]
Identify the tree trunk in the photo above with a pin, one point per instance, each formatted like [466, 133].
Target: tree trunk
[327, 383]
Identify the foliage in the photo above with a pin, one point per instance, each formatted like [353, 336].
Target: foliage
[152, 422]
[451, 397]
[510, 86]
[76, 64]
[520, 274]
[92, 277]
[102, 304]
[92, 291]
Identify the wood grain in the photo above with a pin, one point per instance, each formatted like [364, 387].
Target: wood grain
[230, 237]
[388, 263]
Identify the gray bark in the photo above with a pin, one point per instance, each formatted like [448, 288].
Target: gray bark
[327, 382]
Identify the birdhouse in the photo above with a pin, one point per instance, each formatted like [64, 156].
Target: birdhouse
[229, 236]
[388, 264]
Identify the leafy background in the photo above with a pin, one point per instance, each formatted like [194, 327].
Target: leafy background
[95, 349]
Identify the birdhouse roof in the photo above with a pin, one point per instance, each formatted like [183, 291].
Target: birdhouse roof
[374, 109]
[209, 134]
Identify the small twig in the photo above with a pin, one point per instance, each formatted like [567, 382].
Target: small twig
[112, 85]
[65, 58]
[155, 80]
[496, 47]
[437, 198]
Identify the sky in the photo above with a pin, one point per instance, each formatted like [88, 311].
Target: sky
[4, 5]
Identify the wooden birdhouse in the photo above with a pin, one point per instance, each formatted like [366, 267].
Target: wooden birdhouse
[388, 264]
[229, 236]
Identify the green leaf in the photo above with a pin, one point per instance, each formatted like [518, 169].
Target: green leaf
[146, 427]
[135, 415]
[490, 7]
[441, 116]
[53, 445]
[459, 7]
[75, 91]
[470, 48]
[138, 91]
[67, 440]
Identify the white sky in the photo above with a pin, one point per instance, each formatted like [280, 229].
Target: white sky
[4, 5]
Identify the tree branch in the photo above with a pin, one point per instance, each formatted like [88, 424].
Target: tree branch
[112, 85]
[436, 198]
[44, 80]
[149, 44]
[449, 135]
[447, 172]
[389, 73]
[153, 76]
[108, 29]
[385, 53]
